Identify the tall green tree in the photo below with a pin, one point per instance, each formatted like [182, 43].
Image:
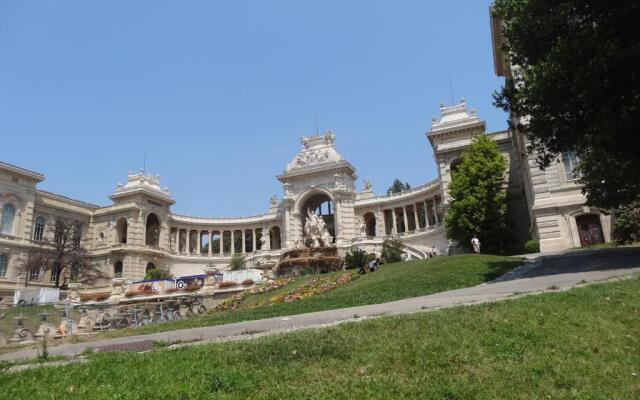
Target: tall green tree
[577, 78]
[478, 192]
[398, 186]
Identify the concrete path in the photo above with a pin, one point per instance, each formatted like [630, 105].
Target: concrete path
[545, 273]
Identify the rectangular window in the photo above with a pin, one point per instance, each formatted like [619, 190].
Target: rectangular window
[570, 161]
[77, 236]
[34, 273]
[54, 271]
[3, 265]
[38, 230]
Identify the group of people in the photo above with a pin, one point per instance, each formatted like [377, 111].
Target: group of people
[372, 265]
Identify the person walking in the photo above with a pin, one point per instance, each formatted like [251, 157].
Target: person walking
[475, 243]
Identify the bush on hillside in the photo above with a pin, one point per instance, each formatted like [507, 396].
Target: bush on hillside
[626, 228]
[392, 250]
[532, 246]
[356, 258]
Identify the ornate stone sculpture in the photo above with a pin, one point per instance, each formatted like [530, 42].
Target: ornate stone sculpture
[363, 227]
[263, 239]
[366, 186]
[316, 231]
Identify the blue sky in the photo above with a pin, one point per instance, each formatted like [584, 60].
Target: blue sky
[219, 92]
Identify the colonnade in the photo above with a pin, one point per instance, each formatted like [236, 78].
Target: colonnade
[190, 241]
[412, 216]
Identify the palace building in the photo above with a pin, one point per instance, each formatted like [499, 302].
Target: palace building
[138, 230]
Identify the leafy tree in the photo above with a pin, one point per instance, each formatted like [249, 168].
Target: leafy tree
[157, 273]
[392, 250]
[60, 253]
[356, 258]
[478, 193]
[626, 228]
[237, 262]
[576, 78]
[398, 187]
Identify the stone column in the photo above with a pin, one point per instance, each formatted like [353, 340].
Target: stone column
[199, 240]
[435, 211]
[426, 214]
[380, 223]
[267, 242]
[233, 242]
[221, 249]
[406, 220]
[253, 239]
[244, 244]
[394, 230]
[415, 216]
[187, 245]
[210, 233]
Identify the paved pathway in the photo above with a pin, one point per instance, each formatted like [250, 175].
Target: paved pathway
[545, 273]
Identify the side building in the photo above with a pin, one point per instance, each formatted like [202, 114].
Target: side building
[560, 218]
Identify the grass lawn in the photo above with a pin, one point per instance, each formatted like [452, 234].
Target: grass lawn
[32, 321]
[390, 282]
[580, 344]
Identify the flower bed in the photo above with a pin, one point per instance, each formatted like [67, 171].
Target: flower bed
[233, 303]
[312, 287]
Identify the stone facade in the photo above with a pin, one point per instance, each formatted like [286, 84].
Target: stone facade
[139, 231]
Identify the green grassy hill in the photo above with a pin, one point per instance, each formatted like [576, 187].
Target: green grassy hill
[391, 282]
[580, 344]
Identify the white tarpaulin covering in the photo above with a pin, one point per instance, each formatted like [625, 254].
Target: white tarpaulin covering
[36, 296]
[239, 276]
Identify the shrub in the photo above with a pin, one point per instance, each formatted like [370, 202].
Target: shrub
[532, 246]
[247, 282]
[227, 284]
[156, 273]
[392, 250]
[356, 258]
[626, 228]
[237, 262]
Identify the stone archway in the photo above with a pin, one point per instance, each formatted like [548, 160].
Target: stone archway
[322, 205]
[589, 229]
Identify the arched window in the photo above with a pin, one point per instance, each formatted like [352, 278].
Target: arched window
[121, 228]
[117, 269]
[3, 265]
[38, 229]
[8, 212]
[370, 224]
[153, 231]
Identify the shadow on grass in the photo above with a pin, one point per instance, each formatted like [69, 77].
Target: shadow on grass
[499, 268]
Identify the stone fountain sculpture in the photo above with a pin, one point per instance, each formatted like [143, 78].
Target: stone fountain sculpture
[316, 232]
